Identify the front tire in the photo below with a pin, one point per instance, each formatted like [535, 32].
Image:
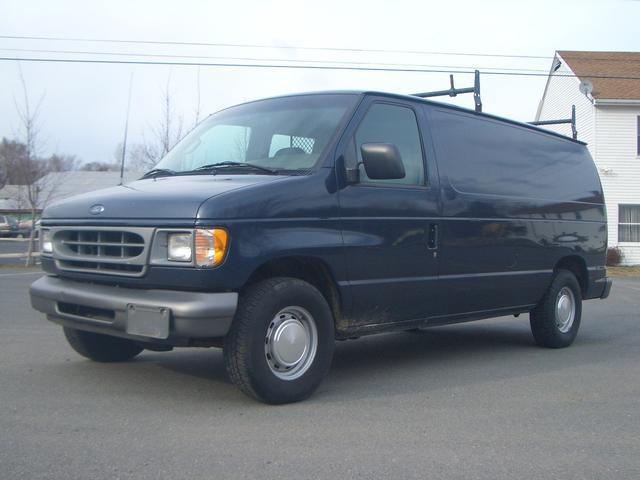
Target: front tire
[556, 319]
[281, 341]
[101, 348]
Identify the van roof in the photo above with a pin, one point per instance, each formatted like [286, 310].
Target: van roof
[413, 98]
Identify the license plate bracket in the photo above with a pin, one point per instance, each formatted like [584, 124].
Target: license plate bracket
[148, 321]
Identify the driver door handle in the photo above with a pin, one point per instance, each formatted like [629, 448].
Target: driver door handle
[432, 241]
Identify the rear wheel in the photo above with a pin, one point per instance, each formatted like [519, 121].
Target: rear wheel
[101, 348]
[281, 341]
[556, 319]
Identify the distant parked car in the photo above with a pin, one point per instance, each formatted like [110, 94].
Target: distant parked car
[8, 226]
[24, 228]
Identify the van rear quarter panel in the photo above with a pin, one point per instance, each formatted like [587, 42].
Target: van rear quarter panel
[515, 202]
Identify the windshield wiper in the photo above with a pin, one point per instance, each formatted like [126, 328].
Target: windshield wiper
[214, 166]
[156, 172]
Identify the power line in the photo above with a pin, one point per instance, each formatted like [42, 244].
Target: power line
[301, 67]
[257, 59]
[274, 47]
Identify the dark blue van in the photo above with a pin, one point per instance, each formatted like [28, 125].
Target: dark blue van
[278, 226]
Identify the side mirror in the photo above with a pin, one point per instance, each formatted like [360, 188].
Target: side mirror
[382, 161]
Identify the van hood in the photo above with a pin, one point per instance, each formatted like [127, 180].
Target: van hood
[167, 198]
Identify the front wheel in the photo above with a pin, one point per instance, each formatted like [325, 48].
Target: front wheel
[556, 319]
[101, 348]
[281, 342]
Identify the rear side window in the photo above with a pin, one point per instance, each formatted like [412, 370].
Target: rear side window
[385, 123]
[488, 157]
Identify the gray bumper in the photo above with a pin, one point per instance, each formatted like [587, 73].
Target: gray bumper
[160, 316]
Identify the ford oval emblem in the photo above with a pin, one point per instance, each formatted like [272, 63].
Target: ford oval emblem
[96, 209]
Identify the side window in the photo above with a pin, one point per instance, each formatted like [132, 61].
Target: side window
[398, 125]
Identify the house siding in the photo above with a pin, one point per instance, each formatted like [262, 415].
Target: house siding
[619, 165]
[561, 92]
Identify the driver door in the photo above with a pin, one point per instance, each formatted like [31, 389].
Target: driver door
[390, 227]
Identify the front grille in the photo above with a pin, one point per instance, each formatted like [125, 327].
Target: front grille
[101, 267]
[105, 250]
[103, 243]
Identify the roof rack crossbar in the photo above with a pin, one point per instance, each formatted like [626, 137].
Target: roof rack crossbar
[572, 121]
[453, 91]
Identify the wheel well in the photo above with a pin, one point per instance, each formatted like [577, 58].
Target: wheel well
[309, 269]
[578, 267]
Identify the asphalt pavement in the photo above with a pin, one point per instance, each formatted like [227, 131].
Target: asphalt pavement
[471, 401]
[13, 251]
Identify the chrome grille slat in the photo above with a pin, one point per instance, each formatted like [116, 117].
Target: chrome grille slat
[103, 250]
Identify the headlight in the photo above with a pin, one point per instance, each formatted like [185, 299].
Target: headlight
[180, 247]
[211, 246]
[46, 245]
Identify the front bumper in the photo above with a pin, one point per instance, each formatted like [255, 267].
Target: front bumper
[168, 317]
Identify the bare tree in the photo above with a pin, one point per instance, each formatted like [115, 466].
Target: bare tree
[141, 157]
[169, 129]
[4, 175]
[100, 167]
[164, 135]
[241, 145]
[29, 170]
[12, 153]
[62, 163]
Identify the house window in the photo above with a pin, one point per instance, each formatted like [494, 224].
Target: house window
[628, 223]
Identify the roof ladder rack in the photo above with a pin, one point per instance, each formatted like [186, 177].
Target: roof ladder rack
[572, 121]
[453, 91]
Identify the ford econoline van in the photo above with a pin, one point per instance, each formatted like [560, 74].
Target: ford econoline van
[279, 226]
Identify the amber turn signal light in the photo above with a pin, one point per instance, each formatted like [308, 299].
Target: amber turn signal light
[211, 246]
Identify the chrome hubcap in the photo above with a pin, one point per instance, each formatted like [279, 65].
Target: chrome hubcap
[565, 309]
[291, 343]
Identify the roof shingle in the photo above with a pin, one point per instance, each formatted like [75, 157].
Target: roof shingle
[592, 65]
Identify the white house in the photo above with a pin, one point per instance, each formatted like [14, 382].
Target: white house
[605, 88]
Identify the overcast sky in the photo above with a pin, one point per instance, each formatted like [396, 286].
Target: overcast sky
[84, 105]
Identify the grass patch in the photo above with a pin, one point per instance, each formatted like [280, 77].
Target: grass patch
[18, 266]
[633, 271]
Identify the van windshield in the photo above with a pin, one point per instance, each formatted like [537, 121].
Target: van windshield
[283, 135]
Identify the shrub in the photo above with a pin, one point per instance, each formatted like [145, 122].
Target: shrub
[614, 256]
